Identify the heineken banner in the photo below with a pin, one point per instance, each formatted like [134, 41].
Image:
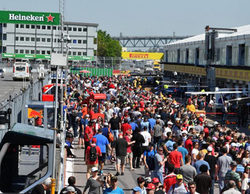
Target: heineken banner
[20, 17]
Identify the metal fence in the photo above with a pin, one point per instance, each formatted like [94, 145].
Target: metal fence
[17, 102]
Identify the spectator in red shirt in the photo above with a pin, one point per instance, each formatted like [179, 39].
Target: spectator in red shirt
[128, 137]
[88, 135]
[170, 179]
[189, 144]
[89, 163]
[175, 157]
[126, 127]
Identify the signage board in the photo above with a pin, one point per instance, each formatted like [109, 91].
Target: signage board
[21, 17]
[58, 59]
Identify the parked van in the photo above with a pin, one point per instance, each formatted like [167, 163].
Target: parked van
[21, 71]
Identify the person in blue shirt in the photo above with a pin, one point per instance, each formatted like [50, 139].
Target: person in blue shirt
[181, 149]
[148, 156]
[114, 187]
[145, 123]
[152, 122]
[171, 141]
[200, 162]
[133, 124]
[105, 129]
[102, 142]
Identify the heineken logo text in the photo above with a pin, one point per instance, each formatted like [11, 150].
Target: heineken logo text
[26, 18]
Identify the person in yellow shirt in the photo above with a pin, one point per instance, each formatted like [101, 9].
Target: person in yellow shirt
[190, 107]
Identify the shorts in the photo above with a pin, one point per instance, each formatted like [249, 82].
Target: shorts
[120, 160]
[90, 166]
[102, 158]
[129, 155]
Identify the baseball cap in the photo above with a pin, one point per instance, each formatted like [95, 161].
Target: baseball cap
[69, 189]
[170, 123]
[94, 169]
[136, 189]
[179, 176]
[155, 180]
[233, 145]
[148, 179]
[94, 140]
[209, 149]
[216, 123]
[150, 186]
[106, 124]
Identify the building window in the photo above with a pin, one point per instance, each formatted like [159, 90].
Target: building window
[4, 36]
[21, 38]
[74, 41]
[69, 52]
[16, 51]
[79, 53]
[28, 26]
[84, 53]
[43, 52]
[27, 51]
[4, 25]
[17, 25]
[94, 52]
[27, 38]
[21, 51]
[32, 39]
[59, 27]
[21, 26]
[197, 56]
[79, 41]
[48, 52]
[69, 29]
[43, 39]
[44, 27]
[187, 55]
[95, 40]
[48, 27]
[54, 28]
[84, 41]
[178, 55]
[17, 38]
[4, 49]
[37, 52]
[55, 39]
[32, 52]
[74, 53]
[217, 54]
[241, 58]
[38, 27]
[79, 29]
[84, 29]
[74, 29]
[38, 39]
[32, 26]
[65, 28]
[48, 39]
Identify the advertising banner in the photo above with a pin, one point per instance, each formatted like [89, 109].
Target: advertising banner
[21, 17]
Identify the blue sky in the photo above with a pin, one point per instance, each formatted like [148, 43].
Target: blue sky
[145, 17]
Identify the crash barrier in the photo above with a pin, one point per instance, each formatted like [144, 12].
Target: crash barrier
[12, 107]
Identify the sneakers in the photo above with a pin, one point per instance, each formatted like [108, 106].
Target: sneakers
[117, 174]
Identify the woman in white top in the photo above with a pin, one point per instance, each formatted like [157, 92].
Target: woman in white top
[195, 152]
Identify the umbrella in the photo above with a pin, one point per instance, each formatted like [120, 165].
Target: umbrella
[85, 71]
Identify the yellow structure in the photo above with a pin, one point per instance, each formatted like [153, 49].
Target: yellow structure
[142, 56]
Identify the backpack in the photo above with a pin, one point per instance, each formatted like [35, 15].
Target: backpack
[92, 154]
[151, 162]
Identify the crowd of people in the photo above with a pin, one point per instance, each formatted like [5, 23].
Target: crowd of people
[180, 150]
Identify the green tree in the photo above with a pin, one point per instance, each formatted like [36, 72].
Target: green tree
[106, 46]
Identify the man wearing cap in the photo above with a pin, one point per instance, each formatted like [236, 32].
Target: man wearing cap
[150, 188]
[89, 163]
[69, 190]
[159, 163]
[179, 187]
[114, 187]
[233, 175]
[223, 163]
[102, 142]
[212, 161]
[42, 188]
[94, 182]
[157, 184]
